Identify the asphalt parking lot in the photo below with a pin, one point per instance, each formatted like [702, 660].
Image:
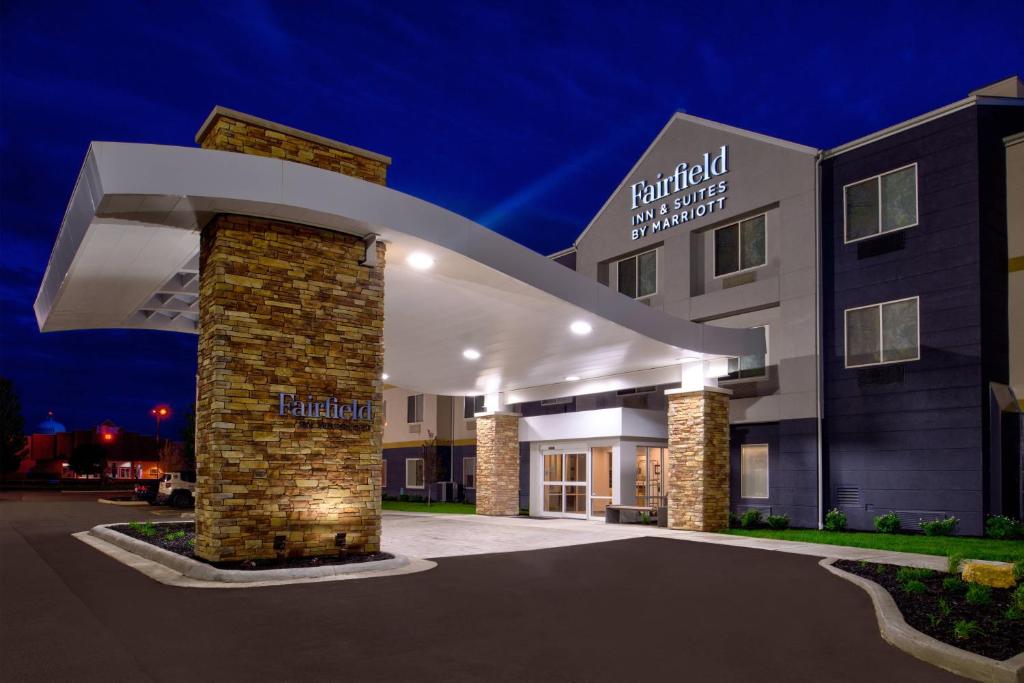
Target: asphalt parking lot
[622, 610]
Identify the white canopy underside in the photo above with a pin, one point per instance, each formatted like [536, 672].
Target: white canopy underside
[127, 257]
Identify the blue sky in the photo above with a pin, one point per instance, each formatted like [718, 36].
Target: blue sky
[523, 116]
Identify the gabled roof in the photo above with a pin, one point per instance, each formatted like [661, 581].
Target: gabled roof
[681, 116]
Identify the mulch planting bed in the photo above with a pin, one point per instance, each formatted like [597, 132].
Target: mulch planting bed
[937, 609]
[180, 538]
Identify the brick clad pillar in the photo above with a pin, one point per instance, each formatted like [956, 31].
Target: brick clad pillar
[497, 464]
[234, 131]
[698, 459]
[286, 308]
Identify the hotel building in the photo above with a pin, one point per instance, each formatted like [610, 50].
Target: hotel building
[747, 323]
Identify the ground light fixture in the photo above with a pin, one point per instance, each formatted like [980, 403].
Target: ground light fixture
[471, 354]
[581, 327]
[419, 260]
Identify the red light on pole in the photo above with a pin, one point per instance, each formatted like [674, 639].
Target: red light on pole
[161, 412]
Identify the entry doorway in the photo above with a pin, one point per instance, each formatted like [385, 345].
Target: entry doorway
[577, 481]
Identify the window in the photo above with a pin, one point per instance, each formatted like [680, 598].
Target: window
[882, 333]
[472, 405]
[469, 472]
[414, 409]
[414, 473]
[754, 470]
[881, 204]
[749, 367]
[740, 246]
[638, 275]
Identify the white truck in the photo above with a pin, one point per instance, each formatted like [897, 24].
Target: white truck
[177, 489]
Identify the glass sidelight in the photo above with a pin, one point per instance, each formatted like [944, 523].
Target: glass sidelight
[600, 480]
[650, 476]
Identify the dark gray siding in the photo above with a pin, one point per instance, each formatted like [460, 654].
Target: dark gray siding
[792, 469]
[909, 437]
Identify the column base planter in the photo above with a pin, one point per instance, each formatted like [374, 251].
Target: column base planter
[895, 631]
[176, 569]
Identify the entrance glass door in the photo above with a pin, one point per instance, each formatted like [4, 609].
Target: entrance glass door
[650, 476]
[600, 480]
[565, 483]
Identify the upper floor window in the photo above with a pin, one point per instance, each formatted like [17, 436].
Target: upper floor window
[740, 246]
[471, 405]
[414, 409]
[750, 367]
[638, 275]
[881, 204]
[882, 333]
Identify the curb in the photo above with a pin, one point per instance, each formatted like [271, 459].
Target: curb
[125, 503]
[202, 572]
[898, 633]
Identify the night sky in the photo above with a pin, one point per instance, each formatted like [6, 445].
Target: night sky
[524, 117]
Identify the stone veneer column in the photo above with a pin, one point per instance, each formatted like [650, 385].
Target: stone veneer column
[286, 308]
[497, 464]
[698, 459]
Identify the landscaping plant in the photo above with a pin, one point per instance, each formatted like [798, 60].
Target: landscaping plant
[965, 630]
[1018, 569]
[1003, 527]
[143, 528]
[887, 524]
[734, 521]
[953, 564]
[778, 521]
[978, 594]
[914, 586]
[906, 574]
[751, 519]
[954, 584]
[940, 527]
[835, 520]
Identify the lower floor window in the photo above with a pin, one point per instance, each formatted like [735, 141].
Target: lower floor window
[754, 471]
[414, 473]
[383, 473]
[469, 472]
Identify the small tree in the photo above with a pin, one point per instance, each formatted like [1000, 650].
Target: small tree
[172, 457]
[87, 458]
[429, 452]
[12, 427]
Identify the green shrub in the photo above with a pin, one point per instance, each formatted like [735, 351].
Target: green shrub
[1018, 597]
[978, 594]
[734, 521]
[965, 630]
[1014, 613]
[914, 586]
[934, 620]
[143, 528]
[954, 584]
[1003, 527]
[751, 519]
[904, 574]
[778, 521]
[944, 607]
[953, 563]
[1018, 569]
[174, 536]
[835, 520]
[887, 524]
[940, 527]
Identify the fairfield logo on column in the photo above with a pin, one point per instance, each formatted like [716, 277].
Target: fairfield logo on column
[327, 409]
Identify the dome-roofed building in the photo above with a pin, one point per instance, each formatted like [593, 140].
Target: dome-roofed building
[50, 426]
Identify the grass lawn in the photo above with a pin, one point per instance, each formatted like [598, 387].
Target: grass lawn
[970, 548]
[440, 508]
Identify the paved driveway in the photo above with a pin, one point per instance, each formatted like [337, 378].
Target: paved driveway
[623, 610]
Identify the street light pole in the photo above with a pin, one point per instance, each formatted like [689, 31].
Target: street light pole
[160, 413]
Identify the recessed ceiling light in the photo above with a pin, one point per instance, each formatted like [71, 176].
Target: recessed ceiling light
[419, 260]
[580, 327]
[572, 378]
[471, 354]
[384, 376]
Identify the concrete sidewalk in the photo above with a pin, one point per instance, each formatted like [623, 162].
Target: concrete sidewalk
[439, 535]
